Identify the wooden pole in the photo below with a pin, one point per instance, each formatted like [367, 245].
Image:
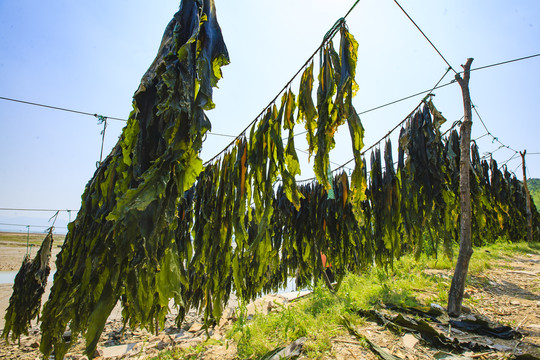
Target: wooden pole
[455, 296]
[527, 196]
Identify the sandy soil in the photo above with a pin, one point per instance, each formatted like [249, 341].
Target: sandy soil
[12, 255]
[508, 293]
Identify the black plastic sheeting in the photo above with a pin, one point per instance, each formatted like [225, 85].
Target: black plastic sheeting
[482, 328]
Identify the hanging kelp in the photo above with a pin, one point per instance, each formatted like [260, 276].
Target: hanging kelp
[393, 234]
[210, 269]
[122, 245]
[375, 195]
[29, 286]
[425, 175]
[264, 161]
[337, 86]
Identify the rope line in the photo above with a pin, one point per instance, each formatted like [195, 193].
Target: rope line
[232, 136]
[510, 159]
[99, 117]
[425, 36]
[59, 108]
[405, 98]
[495, 139]
[436, 86]
[503, 63]
[269, 104]
[351, 9]
[29, 226]
[329, 35]
[454, 124]
[298, 134]
[482, 136]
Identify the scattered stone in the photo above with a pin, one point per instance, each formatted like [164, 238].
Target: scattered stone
[182, 337]
[465, 309]
[190, 343]
[457, 331]
[469, 317]
[502, 348]
[293, 350]
[514, 302]
[223, 322]
[409, 341]
[158, 338]
[160, 345]
[119, 350]
[195, 327]
[437, 308]
[295, 294]
[447, 356]
[228, 314]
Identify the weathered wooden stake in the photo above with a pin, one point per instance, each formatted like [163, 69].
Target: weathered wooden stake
[527, 197]
[455, 297]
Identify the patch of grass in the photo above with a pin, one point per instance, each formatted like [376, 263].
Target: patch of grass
[410, 282]
[315, 317]
[20, 239]
[190, 353]
[318, 316]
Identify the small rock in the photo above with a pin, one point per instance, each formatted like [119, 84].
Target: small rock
[538, 304]
[409, 341]
[228, 314]
[181, 333]
[457, 331]
[119, 350]
[437, 308]
[158, 338]
[195, 327]
[501, 347]
[223, 322]
[291, 351]
[190, 343]
[514, 302]
[162, 345]
[183, 337]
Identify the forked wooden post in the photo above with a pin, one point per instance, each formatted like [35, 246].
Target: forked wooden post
[455, 297]
[527, 196]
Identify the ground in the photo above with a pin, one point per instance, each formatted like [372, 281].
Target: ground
[506, 292]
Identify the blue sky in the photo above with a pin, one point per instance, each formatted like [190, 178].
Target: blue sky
[90, 56]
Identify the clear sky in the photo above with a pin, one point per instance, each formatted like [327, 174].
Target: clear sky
[90, 56]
